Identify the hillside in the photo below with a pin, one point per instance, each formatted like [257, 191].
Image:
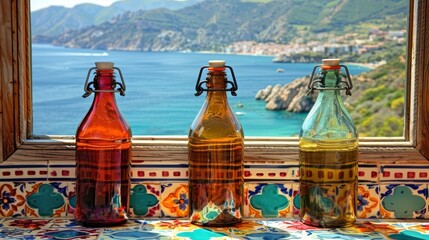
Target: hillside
[376, 105]
[212, 25]
[55, 20]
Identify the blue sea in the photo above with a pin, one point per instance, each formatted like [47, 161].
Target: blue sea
[160, 90]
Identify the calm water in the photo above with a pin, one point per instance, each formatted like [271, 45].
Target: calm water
[160, 90]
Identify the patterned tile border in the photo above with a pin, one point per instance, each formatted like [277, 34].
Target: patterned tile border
[150, 172]
[404, 173]
[35, 171]
[379, 186]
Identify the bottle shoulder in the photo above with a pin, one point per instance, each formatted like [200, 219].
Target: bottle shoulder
[216, 126]
[328, 121]
[101, 126]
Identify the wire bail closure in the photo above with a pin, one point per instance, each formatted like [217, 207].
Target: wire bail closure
[88, 90]
[199, 86]
[312, 85]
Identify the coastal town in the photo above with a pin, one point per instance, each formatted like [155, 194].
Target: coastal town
[349, 44]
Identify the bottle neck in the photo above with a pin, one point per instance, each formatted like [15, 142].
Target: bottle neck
[104, 89]
[216, 85]
[331, 78]
[330, 83]
[104, 80]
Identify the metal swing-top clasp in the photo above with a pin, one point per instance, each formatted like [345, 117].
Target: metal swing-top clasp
[199, 86]
[89, 90]
[321, 79]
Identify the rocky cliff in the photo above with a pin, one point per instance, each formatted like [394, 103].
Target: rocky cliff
[376, 105]
[291, 97]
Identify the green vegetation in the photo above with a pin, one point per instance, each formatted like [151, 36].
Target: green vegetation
[377, 106]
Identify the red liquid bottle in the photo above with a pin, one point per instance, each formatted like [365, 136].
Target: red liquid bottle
[103, 154]
[216, 154]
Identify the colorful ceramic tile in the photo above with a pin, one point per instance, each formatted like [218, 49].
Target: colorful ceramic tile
[288, 171]
[269, 200]
[405, 173]
[146, 230]
[403, 201]
[290, 225]
[174, 225]
[175, 200]
[46, 199]
[68, 233]
[368, 173]
[342, 233]
[296, 200]
[203, 233]
[19, 172]
[28, 224]
[422, 227]
[64, 171]
[151, 172]
[262, 230]
[14, 233]
[144, 200]
[71, 199]
[409, 234]
[381, 226]
[12, 199]
[368, 205]
[64, 223]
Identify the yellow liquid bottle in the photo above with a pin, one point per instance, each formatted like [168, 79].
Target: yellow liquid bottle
[328, 154]
[216, 155]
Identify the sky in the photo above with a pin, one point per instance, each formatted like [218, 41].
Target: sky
[39, 4]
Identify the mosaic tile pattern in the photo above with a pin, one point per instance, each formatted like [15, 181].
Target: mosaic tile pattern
[175, 200]
[269, 200]
[174, 229]
[46, 199]
[71, 198]
[379, 186]
[12, 199]
[403, 201]
[296, 200]
[144, 200]
[368, 205]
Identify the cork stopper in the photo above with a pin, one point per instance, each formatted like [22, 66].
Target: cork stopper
[217, 63]
[332, 62]
[104, 65]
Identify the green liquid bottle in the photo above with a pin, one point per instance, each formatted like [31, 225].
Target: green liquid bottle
[328, 153]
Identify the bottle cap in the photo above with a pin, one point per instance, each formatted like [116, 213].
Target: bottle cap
[104, 65]
[331, 62]
[217, 63]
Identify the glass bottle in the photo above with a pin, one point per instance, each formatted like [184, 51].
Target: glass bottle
[103, 154]
[328, 153]
[216, 154]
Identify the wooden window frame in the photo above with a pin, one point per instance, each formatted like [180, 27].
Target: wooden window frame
[18, 143]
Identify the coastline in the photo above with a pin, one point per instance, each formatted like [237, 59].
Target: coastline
[370, 66]
[356, 64]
